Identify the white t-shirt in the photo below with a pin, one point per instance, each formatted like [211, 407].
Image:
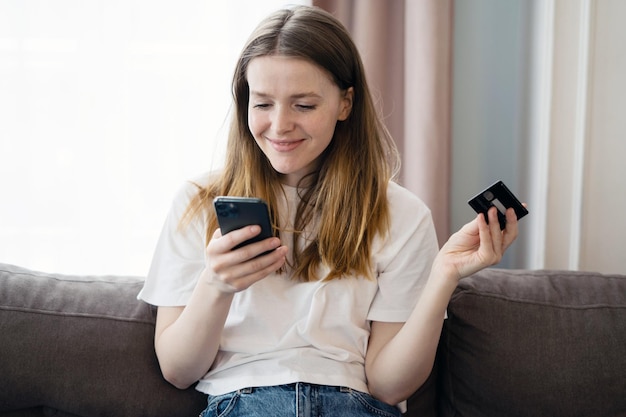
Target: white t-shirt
[281, 331]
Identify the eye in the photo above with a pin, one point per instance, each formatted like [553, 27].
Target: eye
[305, 107]
[261, 106]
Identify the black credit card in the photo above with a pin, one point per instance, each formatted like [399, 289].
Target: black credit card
[499, 196]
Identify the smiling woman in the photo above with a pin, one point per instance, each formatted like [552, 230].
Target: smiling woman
[105, 108]
[294, 121]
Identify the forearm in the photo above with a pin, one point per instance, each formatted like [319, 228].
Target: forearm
[187, 344]
[399, 363]
[403, 364]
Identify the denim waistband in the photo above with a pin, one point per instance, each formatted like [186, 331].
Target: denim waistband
[297, 386]
[298, 399]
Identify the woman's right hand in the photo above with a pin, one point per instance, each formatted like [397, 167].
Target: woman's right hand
[187, 338]
[233, 270]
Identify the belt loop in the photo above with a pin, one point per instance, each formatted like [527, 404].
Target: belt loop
[345, 389]
[247, 390]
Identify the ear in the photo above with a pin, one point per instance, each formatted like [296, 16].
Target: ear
[345, 106]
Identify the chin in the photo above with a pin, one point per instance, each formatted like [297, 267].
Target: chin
[285, 169]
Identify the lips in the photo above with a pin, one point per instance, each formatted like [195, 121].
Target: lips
[285, 145]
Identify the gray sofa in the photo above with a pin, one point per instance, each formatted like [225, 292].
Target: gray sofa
[516, 343]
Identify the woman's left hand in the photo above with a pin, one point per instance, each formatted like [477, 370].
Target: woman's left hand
[477, 245]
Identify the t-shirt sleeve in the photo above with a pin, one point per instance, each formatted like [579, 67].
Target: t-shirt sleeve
[404, 259]
[179, 257]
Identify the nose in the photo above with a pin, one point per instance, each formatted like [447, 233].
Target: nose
[282, 120]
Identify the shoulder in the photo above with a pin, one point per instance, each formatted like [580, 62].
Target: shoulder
[410, 218]
[402, 200]
[403, 256]
[186, 199]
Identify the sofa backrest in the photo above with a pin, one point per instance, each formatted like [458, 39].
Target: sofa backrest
[534, 343]
[82, 346]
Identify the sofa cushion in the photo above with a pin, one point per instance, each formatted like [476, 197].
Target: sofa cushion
[82, 346]
[531, 343]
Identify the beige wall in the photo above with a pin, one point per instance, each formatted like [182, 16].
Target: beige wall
[585, 179]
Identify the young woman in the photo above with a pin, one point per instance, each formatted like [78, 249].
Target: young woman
[342, 316]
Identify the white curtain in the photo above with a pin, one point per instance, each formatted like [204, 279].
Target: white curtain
[106, 107]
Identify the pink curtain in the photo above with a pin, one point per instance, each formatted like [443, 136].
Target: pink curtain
[406, 49]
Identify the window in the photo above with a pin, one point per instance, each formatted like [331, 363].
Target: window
[106, 108]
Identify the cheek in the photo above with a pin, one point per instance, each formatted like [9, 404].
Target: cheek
[324, 126]
[255, 123]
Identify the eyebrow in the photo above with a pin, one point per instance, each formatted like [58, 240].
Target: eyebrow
[294, 96]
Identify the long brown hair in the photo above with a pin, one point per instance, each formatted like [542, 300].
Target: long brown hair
[347, 198]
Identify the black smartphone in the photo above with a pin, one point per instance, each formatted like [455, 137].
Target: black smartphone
[237, 212]
[502, 198]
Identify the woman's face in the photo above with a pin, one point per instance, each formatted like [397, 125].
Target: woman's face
[292, 112]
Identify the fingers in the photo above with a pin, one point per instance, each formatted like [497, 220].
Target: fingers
[493, 240]
[478, 244]
[502, 239]
[227, 242]
[240, 276]
[511, 230]
[490, 236]
[235, 270]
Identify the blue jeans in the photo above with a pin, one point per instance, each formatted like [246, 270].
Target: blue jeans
[297, 400]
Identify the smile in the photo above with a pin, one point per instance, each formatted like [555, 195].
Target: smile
[285, 145]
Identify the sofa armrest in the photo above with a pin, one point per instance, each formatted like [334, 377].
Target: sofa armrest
[530, 343]
[83, 346]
